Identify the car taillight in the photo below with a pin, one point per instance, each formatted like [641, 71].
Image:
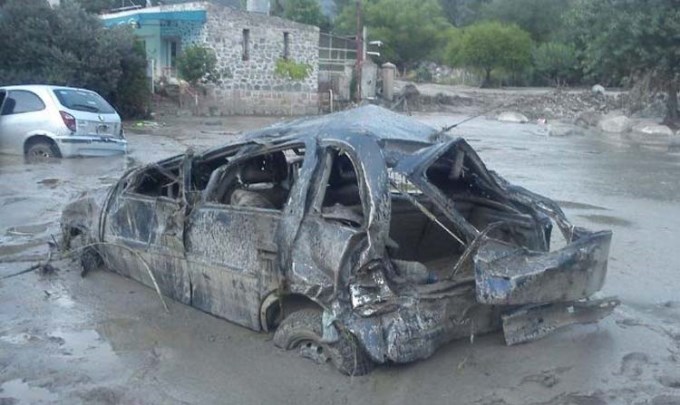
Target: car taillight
[69, 120]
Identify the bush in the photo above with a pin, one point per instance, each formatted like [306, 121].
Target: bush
[423, 75]
[67, 46]
[555, 61]
[132, 94]
[197, 64]
[292, 70]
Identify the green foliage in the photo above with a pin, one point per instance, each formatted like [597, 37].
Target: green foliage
[98, 6]
[197, 63]
[292, 70]
[540, 18]
[462, 12]
[302, 11]
[423, 75]
[411, 30]
[66, 45]
[492, 45]
[555, 61]
[132, 94]
[624, 38]
[450, 54]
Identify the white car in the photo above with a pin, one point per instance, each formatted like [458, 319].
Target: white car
[54, 121]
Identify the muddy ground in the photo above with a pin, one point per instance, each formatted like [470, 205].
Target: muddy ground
[105, 339]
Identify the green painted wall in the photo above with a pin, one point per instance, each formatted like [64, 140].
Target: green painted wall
[150, 32]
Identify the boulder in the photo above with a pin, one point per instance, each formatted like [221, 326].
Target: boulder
[511, 116]
[561, 129]
[651, 135]
[588, 118]
[597, 89]
[653, 129]
[614, 124]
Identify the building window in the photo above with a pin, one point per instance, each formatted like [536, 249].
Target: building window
[246, 44]
[286, 45]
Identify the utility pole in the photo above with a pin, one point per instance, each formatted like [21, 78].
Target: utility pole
[360, 51]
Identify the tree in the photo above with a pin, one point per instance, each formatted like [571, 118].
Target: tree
[132, 92]
[302, 11]
[492, 45]
[462, 12]
[197, 63]
[555, 61]
[629, 38]
[410, 30]
[98, 6]
[540, 18]
[66, 45]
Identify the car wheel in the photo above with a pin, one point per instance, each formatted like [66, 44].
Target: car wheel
[90, 260]
[41, 151]
[302, 330]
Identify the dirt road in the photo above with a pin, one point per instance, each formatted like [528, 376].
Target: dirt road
[105, 339]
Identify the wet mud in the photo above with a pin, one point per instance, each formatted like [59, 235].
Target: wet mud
[105, 339]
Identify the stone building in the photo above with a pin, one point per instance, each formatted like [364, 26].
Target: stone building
[247, 46]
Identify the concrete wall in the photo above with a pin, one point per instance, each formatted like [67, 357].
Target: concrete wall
[251, 86]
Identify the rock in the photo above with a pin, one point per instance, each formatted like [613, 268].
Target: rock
[614, 124]
[653, 129]
[588, 118]
[651, 134]
[511, 116]
[598, 89]
[561, 129]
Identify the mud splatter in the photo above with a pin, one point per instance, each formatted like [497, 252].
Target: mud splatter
[547, 378]
[632, 364]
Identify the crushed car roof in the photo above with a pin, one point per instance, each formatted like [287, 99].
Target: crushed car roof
[369, 120]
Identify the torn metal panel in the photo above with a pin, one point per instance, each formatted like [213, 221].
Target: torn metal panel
[513, 275]
[527, 324]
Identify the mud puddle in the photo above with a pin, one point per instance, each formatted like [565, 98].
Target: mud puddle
[18, 389]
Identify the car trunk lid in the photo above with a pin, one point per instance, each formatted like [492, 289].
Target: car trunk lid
[507, 274]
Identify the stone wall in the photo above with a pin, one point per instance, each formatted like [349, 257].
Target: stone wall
[251, 86]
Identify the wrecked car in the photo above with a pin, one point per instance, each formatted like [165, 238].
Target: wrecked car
[361, 237]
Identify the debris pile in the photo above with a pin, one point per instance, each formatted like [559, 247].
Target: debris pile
[565, 105]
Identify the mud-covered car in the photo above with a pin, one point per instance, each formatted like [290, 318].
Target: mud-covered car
[360, 237]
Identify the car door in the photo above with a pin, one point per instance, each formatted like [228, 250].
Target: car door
[22, 112]
[231, 236]
[334, 228]
[144, 228]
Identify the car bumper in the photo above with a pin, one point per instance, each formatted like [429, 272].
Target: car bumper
[527, 294]
[73, 146]
[416, 331]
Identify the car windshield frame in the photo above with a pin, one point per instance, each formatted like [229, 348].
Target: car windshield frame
[83, 100]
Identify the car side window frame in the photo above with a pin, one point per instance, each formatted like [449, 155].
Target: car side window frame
[327, 160]
[226, 173]
[134, 180]
[11, 93]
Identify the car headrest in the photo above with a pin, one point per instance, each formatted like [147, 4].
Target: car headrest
[269, 168]
[342, 172]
